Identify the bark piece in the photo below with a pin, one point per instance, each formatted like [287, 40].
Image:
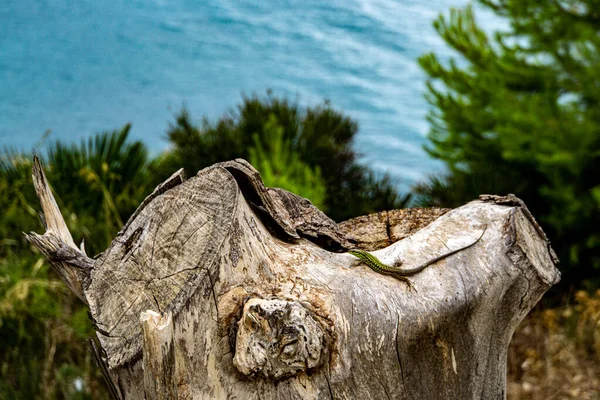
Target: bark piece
[159, 355]
[286, 213]
[378, 230]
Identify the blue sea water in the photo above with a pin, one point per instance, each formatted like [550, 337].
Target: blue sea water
[77, 67]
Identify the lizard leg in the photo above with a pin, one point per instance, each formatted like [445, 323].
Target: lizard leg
[405, 280]
[398, 261]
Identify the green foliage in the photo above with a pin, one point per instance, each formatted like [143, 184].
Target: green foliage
[42, 328]
[17, 201]
[520, 113]
[98, 184]
[281, 167]
[320, 136]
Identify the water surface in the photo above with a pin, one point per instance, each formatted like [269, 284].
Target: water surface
[76, 67]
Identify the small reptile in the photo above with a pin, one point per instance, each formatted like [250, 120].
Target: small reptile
[376, 265]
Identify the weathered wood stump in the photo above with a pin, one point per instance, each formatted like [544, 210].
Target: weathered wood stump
[218, 287]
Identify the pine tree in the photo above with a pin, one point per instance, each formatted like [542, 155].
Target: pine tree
[519, 112]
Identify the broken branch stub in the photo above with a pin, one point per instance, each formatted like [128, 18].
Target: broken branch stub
[56, 244]
[264, 302]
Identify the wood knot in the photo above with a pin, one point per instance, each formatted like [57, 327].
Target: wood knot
[278, 339]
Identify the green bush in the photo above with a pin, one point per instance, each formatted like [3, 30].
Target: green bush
[42, 332]
[279, 166]
[321, 137]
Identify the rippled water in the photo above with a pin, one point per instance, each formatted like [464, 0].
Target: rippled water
[78, 66]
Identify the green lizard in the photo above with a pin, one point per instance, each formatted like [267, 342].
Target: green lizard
[376, 265]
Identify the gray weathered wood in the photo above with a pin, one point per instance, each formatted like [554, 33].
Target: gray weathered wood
[158, 355]
[266, 304]
[56, 244]
[375, 231]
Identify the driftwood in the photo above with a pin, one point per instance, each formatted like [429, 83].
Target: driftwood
[218, 287]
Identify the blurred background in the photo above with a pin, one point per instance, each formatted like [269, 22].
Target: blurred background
[360, 106]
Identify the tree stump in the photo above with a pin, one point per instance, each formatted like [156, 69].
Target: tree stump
[220, 288]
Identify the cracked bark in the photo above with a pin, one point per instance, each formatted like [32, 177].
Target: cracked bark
[247, 292]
